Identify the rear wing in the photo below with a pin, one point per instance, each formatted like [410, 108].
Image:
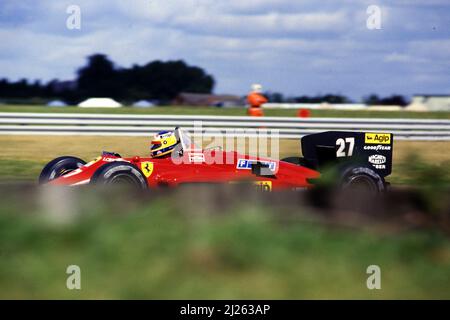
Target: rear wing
[372, 150]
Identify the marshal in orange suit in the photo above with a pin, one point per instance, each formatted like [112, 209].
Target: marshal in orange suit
[255, 100]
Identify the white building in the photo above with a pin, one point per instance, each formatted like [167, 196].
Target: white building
[430, 103]
[99, 103]
[56, 103]
[143, 104]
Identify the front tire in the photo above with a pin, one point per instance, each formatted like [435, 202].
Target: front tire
[59, 167]
[120, 173]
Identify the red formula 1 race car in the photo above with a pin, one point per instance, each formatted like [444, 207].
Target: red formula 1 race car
[362, 159]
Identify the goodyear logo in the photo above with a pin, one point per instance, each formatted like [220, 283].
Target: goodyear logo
[378, 138]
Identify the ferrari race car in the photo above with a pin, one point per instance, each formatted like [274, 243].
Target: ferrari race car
[361, 159]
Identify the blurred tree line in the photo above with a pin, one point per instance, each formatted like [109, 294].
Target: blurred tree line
[155, 80]
[372, 99]
[395, 99]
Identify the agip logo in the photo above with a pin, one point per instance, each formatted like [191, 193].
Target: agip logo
[378, 138]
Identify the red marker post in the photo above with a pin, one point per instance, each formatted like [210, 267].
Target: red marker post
[303, 113]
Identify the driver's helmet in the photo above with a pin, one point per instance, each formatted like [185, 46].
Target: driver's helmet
[163, 144]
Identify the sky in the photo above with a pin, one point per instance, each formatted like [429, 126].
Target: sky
[296, 47]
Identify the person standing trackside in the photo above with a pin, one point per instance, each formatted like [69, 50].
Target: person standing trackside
[255, 100]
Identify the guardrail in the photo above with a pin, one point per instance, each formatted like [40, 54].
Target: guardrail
[144, 125]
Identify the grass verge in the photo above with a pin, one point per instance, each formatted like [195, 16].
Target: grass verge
[159, 249]
[188, 110]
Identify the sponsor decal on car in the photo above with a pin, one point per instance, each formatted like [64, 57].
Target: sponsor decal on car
[107, 159]
[263, 185]
[379, 147]
[247, 164]
[378, 161]
[378, 138]
[196, 157]
[147, 168]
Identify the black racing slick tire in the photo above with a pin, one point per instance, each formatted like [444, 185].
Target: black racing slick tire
[120, 173]
[362, 179]
[58, 167]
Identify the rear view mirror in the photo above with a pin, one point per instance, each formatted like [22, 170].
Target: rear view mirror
[262, 170]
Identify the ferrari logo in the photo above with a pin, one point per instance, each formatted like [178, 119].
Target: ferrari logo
[147, 168]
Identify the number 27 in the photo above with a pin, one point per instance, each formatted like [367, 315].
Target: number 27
[341, 143]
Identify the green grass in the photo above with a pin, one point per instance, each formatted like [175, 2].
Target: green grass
[162, 249]
[20, 170]
[186, 110]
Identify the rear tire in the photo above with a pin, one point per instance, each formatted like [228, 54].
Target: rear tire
[362, 179]
[58, 167]
[120, 173]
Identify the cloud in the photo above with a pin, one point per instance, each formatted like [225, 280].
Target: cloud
[269, 25]
[402, 58]
[296, 47]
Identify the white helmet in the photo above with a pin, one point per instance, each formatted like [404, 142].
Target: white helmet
[256, 87]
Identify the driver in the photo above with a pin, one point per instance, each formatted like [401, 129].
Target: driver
[163, 144]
